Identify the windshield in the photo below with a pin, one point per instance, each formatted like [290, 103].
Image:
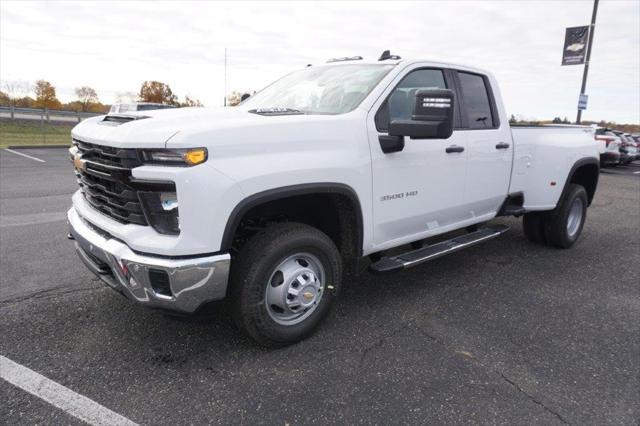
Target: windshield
[320, 90]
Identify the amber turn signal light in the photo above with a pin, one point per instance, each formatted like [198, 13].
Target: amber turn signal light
[195, 156]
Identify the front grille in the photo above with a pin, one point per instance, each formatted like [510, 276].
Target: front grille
[107, 184]
[108, 156]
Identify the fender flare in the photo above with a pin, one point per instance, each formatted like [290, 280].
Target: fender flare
[581, 162]
[233, 221]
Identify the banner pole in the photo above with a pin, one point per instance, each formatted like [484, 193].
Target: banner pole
[225, 76]
[592, 29]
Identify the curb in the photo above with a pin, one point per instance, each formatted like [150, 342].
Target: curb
[37, 146]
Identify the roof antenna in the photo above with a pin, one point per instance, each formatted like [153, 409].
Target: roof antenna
[387, 55]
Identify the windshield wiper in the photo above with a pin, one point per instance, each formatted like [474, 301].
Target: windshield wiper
[276, 111]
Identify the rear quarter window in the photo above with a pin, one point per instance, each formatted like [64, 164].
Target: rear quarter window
[477, 103]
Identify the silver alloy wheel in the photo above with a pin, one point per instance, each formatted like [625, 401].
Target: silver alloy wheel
[295, 289]
[575, 217]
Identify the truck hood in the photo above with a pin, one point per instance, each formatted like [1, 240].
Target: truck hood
[153, 129]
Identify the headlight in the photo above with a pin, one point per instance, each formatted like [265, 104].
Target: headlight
[175, 157]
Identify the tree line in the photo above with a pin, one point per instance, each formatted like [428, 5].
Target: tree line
[627, 128]
[42, 94]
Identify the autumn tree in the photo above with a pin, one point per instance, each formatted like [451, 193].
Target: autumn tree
[4, 99]
[16, 89]
[188, 102]
[46, 95]
[157, 92]
[25, 102]
[234, 98]
[86, 97]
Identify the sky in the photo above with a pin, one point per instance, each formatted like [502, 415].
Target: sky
[115, 46]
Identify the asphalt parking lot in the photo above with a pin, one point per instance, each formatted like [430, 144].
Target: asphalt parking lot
[504, 333]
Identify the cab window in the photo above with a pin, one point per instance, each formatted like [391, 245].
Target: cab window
[477, 106]
[399, 105]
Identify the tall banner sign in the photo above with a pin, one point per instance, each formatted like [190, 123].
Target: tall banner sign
[575, 45]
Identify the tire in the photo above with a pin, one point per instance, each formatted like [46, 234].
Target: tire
[533, 227]
[271, 267]
[563, 225]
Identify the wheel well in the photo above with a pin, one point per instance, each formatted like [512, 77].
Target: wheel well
[336, 214]
[587, 176]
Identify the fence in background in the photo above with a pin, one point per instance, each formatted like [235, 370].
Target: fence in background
[44, 114]
[35, 126]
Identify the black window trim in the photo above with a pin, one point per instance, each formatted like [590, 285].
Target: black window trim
[460, 119]
[492, 100]
[450, 80]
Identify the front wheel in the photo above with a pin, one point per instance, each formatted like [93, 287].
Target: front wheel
[283, 282]
[563, 226]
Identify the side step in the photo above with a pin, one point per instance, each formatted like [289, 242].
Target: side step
[416, 257]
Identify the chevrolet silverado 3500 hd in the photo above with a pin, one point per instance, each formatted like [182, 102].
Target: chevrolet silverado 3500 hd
[271, 203]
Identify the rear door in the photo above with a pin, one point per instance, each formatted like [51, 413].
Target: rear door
[489, 146]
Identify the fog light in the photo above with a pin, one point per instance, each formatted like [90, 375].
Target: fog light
[168, 200]
[161, 210]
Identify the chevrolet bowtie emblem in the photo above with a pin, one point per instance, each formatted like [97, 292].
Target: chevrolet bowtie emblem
[78, 162]
[307, 296]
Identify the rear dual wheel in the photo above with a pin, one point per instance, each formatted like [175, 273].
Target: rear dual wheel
[562, 226]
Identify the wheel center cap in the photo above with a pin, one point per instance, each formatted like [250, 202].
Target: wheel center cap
[308, 295]
[295, 289]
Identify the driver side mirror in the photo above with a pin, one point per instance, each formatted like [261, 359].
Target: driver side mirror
[432, 116]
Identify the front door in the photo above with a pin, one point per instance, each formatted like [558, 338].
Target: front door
[418, 191]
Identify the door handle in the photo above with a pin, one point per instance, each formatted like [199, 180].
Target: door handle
[502, 145]
[454, 148]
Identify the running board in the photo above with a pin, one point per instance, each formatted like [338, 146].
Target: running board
[416, 257]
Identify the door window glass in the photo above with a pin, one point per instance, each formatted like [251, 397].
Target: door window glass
[476, 100]
[399, 105]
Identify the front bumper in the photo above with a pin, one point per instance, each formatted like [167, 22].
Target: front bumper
[180, 285]
[625, 157]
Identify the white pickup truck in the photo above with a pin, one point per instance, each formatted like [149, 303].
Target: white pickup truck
[271, 203]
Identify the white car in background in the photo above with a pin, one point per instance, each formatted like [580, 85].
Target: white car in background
[628, 150]
[632, 147]
[636, 140]
[608, 146]
[137, 106]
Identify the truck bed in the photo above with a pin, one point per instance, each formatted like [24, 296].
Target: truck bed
[543, 157]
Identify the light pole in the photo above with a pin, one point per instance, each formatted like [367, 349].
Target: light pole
[592, 29]
[225, 76]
